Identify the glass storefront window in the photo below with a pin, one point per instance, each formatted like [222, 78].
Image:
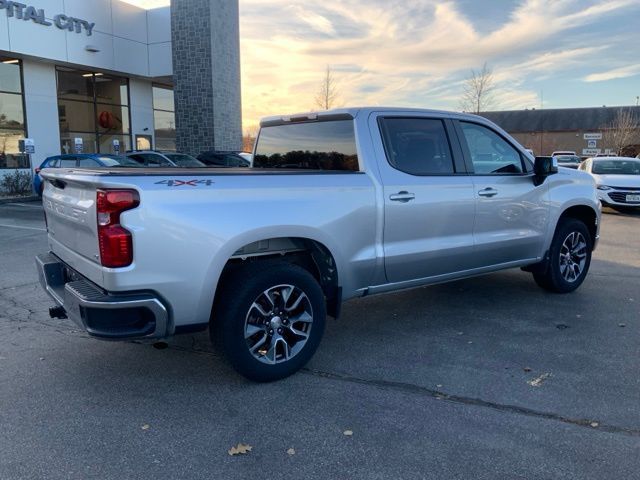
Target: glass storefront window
[163, 98]
[10, 79]
[113, 90]
[12, 126]
[11, 113]
[106, 143]
[89, 142]
[164, 117]
[76, 116]
[75, 84]
[112, 119]
[93, 106]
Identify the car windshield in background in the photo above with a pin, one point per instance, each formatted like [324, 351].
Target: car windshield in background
[116, 161]
[616, 167]
[329, 145]
[568, 159]
[182, 160]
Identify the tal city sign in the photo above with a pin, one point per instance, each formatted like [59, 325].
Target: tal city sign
[24, 12]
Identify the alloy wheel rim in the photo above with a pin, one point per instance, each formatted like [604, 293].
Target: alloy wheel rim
[573, 256]
[278, 324]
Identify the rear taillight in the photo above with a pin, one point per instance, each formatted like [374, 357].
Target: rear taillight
[116, 246]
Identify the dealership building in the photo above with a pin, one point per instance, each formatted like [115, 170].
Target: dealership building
[97, 76]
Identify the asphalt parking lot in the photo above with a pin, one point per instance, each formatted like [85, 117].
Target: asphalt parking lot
[484, 378]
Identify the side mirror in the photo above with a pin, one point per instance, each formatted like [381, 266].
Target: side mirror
[543, 167]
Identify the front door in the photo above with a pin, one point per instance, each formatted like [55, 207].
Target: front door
[511, 211]
[429, 203]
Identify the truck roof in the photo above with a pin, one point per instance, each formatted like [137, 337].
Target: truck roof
[353, 112]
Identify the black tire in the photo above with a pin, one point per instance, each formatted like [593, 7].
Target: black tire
[241, 289]
[552, 278]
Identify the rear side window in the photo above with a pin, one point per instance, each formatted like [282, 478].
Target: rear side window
[67, 163]
[417, 146]
[327, 145]
[88, 163]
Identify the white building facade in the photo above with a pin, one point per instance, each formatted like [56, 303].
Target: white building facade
[90, 76]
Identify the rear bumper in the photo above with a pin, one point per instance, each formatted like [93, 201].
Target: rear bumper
[102, 314]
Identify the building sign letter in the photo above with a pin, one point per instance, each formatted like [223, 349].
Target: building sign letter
[24, 12]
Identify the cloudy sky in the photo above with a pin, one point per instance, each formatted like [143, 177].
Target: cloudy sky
[572, 53]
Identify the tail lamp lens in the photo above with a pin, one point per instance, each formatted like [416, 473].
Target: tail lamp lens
[115, 242]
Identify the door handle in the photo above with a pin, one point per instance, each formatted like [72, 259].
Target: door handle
[402, 197]
[488, 192]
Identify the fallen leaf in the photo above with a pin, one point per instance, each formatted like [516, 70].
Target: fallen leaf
[439, 385]
[241, 449]
[348, 433]
[291, 451]
[145, 427]
[469, 342]
[594, 424]
[460, 333]
[622, 324]
[526, 369]
[536, 382]
[578, 316]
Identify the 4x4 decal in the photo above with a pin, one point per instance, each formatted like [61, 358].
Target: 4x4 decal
[180, 183]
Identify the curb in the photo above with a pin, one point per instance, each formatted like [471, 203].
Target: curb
[31, 198]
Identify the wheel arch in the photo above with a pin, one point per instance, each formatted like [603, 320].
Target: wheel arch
[309, 253]
[586, 215]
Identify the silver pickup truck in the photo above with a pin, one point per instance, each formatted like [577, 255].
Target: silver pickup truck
[336, 205]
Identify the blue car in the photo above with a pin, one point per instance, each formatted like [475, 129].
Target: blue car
[86, 160]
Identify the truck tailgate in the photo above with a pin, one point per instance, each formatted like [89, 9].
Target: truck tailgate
[70, 209]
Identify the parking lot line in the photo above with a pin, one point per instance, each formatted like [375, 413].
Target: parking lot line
[24, 228]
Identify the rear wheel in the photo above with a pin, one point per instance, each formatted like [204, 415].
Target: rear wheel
[569, 258]
[269, 319]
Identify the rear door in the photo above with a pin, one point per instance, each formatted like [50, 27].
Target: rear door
[429, 203]
[511, 211]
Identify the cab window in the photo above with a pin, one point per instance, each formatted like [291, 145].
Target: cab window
[490, 153]
[417, 146]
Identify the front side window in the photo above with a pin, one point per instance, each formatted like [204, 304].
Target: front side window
[417, 146]
[329, 145]
[490, 153]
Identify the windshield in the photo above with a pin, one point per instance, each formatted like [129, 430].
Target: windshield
[568, 159]
[182, 160]
[616, 167]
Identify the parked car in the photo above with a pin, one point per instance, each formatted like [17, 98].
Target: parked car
[157, 158]
[568, 161]
[617, 180]
[339, 204]
[87, 160]
[563, 152]
[216, 158]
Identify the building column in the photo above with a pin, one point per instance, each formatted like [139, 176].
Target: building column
[206, 75]
[41, 109]
[141, 96]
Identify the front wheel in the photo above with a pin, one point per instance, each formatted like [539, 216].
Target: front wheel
[569, 258]
[269, 319]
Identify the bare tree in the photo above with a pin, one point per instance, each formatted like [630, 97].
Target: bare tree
[249, 138]
[622, 131]
[328, 91]
[478, 91]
